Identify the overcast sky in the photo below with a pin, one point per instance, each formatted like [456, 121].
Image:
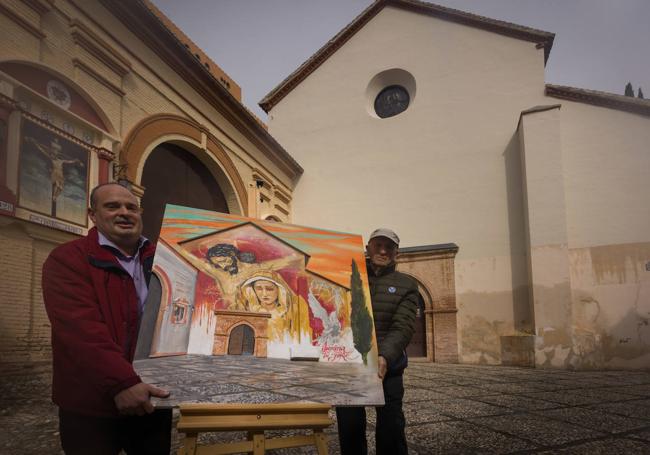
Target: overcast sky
[599, 44]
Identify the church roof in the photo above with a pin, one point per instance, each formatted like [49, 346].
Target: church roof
[619, 102]
[241, 225]
[542, 38]
[198, 53]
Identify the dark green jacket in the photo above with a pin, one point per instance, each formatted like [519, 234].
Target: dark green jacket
[394, 298]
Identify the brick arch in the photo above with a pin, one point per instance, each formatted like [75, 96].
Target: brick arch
[152, 131]
[432, 267]
[426, 293]
[427, 296]
[241, 322]
[256, 336]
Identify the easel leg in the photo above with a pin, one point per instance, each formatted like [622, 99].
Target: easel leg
[321, 442]
[258, 443]
[189, 445]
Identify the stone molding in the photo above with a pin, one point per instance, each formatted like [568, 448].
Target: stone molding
[40, 7]
[85, 38]
[152, 128]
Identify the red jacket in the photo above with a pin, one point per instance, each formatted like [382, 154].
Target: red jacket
[92, 305]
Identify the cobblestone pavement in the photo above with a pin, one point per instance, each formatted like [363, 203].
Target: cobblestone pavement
[449, 409]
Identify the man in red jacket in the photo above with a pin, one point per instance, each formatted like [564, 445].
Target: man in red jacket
[94, 290]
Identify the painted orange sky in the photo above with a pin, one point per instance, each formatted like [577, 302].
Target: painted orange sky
[331, 253]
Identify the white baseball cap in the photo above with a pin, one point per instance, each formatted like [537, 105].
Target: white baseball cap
[384, 232]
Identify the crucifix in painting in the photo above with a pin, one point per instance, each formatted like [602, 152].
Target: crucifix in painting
[234, 286]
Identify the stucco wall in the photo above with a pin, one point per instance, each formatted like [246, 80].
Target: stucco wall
[528, 213]
[446, 170]
[606, 159]
[471, 86]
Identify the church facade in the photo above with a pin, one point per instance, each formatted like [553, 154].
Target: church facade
[98, 91]
[439, 124]
[521, 205]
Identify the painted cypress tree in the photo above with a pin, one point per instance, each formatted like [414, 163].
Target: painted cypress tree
[629, 91]
[360, 318]
[640, 93]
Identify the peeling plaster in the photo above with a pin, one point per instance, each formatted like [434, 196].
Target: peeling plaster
[594, 341]
[598, 318]
[481, 339]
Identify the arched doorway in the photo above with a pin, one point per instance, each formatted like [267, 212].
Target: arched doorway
[241, 341]
[418, 345]
[171, 175]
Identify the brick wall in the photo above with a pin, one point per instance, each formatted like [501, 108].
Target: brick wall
[24, 327]
[433, 267]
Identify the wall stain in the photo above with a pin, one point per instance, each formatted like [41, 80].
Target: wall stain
[603, 323]
[481, 339]
[619, 264]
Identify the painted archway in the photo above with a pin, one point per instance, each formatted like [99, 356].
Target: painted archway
[241, 340]
[227, 321]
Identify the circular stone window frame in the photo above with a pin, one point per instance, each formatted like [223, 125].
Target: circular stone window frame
[385, 79]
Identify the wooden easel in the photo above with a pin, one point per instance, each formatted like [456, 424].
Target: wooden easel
[255, 419]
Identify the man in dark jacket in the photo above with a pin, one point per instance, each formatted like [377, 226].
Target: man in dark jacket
[94, 290]
[394, 305]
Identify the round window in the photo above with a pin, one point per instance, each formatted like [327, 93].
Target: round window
[391, 101]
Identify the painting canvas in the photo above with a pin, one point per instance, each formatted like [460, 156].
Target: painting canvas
[53, 174]
[232, 291]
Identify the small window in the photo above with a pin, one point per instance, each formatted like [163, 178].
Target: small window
[391, 101]
[179, 311]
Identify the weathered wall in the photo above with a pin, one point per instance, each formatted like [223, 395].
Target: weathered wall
[127, 82]
[148, 87]
[611, 306]
[445, 170]
[529, 204]
[24, 327]
[606, 160]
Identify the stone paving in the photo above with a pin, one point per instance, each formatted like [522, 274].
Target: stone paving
[248, 379]
[449, 409]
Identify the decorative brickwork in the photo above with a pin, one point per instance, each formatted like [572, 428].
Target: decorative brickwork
[149, 132]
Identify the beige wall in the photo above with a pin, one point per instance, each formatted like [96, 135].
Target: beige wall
[446, 170]
[526, 203]
[428, 151]
[605, 153]
[607, 161]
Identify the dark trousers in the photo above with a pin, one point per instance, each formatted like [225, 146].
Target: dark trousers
[389, 436]
[84, 435]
